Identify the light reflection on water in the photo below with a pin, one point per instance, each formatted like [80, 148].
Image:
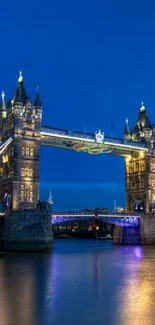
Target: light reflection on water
[80, 283]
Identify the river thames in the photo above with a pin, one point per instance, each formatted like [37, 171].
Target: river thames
[82, 282]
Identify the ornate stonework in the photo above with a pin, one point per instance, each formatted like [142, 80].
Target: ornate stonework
[140, 168]
[19, 180]
[27, 230]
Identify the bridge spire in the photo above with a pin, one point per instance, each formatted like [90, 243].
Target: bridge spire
[50, 200]
[20, 79]
[142, 108]
[3, 106]
[127, 130]
[20, 94]
[37, 102]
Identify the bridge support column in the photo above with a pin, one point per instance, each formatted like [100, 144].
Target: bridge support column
[27, 231]
[118, 235]
[147, 229]
[126, 235]
[142, 235]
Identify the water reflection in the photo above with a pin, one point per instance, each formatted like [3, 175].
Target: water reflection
[16, 291]
[138, 252]
[82, 282]
[137, 289]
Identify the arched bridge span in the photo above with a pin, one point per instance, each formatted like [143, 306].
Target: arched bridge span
[124, 220]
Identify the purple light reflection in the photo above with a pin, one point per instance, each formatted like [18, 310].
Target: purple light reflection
[138, 252]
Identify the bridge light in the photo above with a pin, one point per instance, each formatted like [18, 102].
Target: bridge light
[128, 158]
[141, 154]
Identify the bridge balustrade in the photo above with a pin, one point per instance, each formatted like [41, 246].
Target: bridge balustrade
[124, 221]
[97, 214]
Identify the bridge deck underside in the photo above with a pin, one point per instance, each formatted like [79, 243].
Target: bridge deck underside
[83, 146]
[120, 221]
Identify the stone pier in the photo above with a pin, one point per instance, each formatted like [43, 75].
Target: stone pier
[27, 231]
[126, 235]
[147, 229]
[142, 235]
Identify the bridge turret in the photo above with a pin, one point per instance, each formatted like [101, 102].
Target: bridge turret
[140, 167]
[10, 105]
[37, 108]
[21, 171]
[127, 133]
[143, 127]
[19, 99]
[20, 94]
[3, 115]
[3, 112]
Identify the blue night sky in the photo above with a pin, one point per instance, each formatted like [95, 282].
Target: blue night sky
[94, 62]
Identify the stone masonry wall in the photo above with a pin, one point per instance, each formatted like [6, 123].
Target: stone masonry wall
[147, 229]
[27, 230]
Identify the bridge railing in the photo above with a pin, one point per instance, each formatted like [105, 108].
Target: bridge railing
[4, 145]
[95, 214]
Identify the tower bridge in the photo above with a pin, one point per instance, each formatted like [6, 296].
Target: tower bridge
[22, 134]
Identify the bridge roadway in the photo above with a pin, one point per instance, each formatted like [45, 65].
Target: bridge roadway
[123, 219]
[91, 143]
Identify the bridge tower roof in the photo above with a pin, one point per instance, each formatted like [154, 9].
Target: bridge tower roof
[20, 94]
[143, 120]
[37, 102]
[2, 104]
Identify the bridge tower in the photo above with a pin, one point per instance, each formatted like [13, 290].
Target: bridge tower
[140, 167]
[19, 180]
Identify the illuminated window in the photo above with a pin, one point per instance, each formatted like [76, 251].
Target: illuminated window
[153, 197]
[27, 151]
[28, 194]
[131, 168]
[31, 172]
[137, 183]
[141, 184]
[22, 172]
[31, 152]
[31, 196]
[26, 172]
[137, 167]
[22, 151]
[21, 195]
